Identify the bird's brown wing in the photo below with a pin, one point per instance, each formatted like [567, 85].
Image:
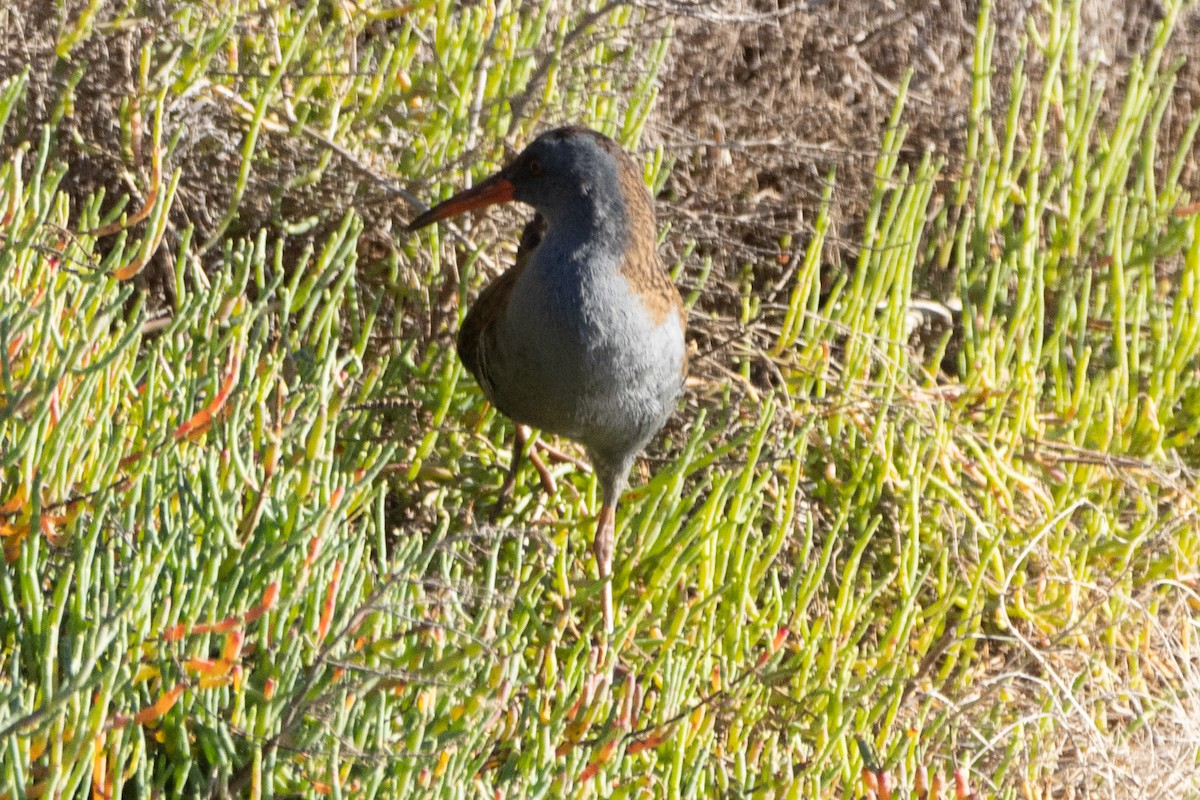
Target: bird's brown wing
[531, 237]
[478, 332]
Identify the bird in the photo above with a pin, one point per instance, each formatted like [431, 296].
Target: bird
[584, 336]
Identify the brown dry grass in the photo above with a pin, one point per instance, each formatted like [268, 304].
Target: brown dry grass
[762, 100]
[283, 186]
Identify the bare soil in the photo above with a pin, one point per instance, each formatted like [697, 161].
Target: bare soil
[763, 100]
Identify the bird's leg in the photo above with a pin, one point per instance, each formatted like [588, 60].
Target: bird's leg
[542, 470]
[603, 546]
[520, 437]
[562, 457]
[521, 434]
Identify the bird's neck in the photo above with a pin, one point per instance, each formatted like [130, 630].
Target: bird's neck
[589, 219]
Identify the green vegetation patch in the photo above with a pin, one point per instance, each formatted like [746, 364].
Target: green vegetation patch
[242, 515]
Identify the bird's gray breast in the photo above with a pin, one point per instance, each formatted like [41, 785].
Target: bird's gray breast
[579, 355]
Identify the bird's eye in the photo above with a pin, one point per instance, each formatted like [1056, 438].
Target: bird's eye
[535, 167]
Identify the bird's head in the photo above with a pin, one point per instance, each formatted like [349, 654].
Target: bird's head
[563, 171]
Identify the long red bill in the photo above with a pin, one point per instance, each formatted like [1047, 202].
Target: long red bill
[496, 189]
